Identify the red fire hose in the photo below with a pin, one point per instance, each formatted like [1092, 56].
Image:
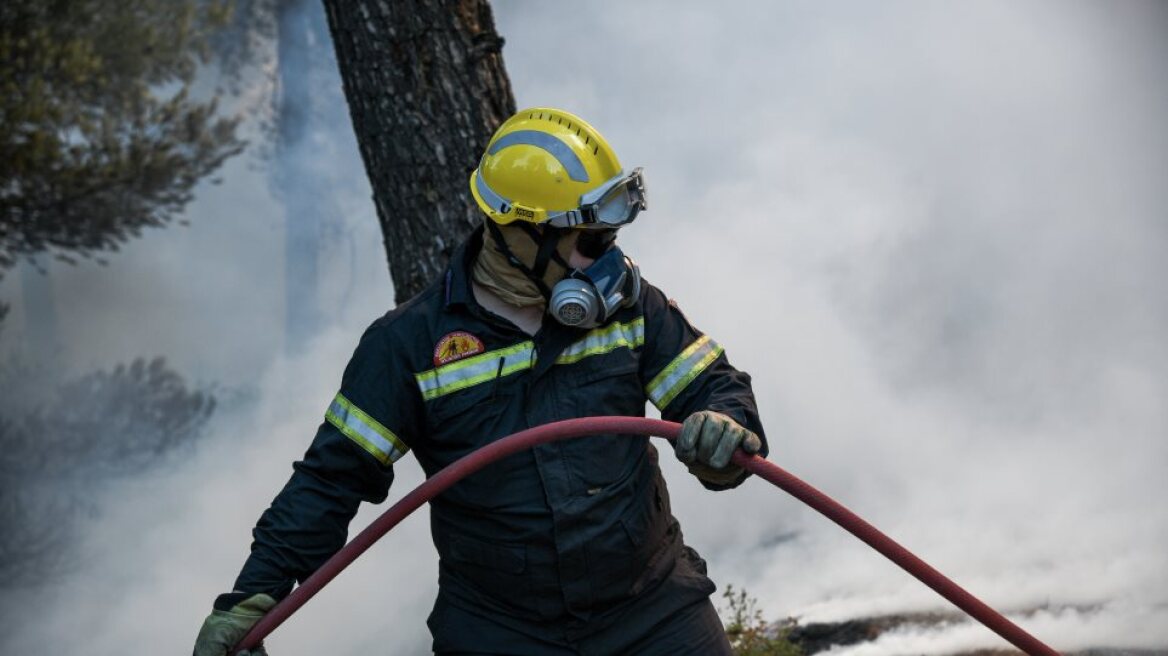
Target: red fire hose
[561, 430]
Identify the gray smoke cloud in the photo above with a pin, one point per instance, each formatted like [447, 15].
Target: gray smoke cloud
[933, 233]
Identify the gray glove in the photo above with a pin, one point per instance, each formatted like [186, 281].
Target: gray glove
[707, 441]
[223, 629]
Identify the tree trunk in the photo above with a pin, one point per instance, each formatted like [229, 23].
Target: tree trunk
[426, 88]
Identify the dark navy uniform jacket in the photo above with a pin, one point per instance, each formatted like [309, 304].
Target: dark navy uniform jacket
[558, 541]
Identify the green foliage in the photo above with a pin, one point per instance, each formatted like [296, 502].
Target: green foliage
[749, 634]
[62, 443]
[99, 134]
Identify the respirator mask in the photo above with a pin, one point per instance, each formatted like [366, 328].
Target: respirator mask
[588, 298]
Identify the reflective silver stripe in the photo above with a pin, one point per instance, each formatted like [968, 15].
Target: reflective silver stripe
[501, 205]
[604, 340]
[366, 431]
[675, 377]
[558, 149]
[565, 219]
[475, 370]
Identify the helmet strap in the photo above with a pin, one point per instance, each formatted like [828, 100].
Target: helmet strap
[546, 241]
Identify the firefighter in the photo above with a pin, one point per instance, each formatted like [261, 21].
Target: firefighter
[566, 548]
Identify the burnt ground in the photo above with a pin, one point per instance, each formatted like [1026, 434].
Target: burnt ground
[821, 636]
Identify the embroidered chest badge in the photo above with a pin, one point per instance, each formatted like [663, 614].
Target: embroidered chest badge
[456, 346]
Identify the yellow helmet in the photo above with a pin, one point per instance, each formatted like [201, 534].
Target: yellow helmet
[546, 165]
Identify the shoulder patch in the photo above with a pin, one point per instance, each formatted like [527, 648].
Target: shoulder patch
[456, 346]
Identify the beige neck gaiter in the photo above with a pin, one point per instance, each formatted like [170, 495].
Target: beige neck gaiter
[491, 269]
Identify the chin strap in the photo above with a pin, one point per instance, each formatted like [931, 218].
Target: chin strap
[546, 242]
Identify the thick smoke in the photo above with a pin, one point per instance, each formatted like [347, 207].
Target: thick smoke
[935, 236]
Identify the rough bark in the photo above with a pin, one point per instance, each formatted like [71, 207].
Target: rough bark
[426, 87]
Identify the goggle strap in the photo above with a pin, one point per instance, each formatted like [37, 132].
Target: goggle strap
[566, 219]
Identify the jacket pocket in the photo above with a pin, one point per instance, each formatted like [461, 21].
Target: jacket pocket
[467, 420]
[605, 385]
[486, 558]
[653, 532]
[498, 573]
[471, 404]
[631, 553]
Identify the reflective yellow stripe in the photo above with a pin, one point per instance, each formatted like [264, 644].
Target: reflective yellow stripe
[674, 378]
[485, 367]
[605, 340]
[366, 431]
[474, 370]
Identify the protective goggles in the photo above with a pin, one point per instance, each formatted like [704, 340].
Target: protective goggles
[614, 203]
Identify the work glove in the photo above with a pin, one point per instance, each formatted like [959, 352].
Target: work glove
[707, 441]
[223, 629]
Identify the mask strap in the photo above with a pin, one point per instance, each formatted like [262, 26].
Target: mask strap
[547, 240]
[560, 260]
[547, 248]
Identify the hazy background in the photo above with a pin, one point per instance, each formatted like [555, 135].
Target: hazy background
[934, 233]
